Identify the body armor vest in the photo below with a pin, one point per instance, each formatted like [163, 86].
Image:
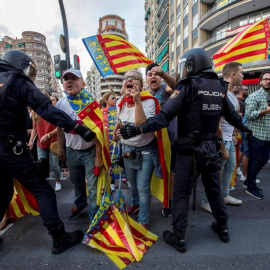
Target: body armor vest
[203, 108]
[13, 114]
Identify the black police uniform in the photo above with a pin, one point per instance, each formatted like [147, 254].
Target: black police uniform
[16, 93]
[198, 102]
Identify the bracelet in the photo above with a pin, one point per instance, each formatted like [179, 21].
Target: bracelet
[49, 135]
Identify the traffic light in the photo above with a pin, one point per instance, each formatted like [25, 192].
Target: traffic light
[57, 67]
[76, 60]
[63, 67]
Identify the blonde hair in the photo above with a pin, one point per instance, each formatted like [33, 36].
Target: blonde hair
[105, 97]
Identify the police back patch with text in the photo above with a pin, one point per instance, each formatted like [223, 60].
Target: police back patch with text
[175, 94]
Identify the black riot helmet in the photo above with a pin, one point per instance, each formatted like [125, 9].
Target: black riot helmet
[21, 62]
[193, 62]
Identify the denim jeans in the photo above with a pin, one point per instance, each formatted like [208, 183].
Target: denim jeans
[80, 164]
[54, 161]
[227, 168]
[139, 175]
[259, 156]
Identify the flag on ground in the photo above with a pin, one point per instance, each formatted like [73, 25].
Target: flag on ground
[250, 45]
[117, 235]
[112, 54]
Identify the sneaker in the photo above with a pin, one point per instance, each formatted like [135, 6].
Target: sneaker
[245, 186]
[222, 232]
[179, 243]
[75, 212]
[238, 171]
[133, 209]
[256, 193]
[58, 186]
[231, 200]
[231, 188]
[243, 178]
[146, 226]
[206, 207]
[112, 187]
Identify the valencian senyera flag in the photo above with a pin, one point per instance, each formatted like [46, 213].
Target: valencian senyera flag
[23, 202]
[112, 54]
[88, 110]
[250, 45]
[113, 232]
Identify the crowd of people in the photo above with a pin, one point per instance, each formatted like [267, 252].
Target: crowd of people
[202, 114]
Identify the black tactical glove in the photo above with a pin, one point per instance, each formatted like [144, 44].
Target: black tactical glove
[85, 133]
[246, 129]
[129, 131]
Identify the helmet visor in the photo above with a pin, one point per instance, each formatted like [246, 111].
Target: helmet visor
[182, 68]
[31, 71]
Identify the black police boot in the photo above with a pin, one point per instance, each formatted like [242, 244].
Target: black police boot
[222, 231]
[176, 239]
[63, 240]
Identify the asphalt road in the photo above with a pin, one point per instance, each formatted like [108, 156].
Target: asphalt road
[26, 245]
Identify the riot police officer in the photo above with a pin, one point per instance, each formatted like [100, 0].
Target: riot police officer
[198, 101]
[17, 91]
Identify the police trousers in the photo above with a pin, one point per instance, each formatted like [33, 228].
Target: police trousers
[208, 167]
[21, 167]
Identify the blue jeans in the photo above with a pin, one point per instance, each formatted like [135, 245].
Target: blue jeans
[139, 174]
[80, 164]
[227, 168]
[54, 161]
[259, 155]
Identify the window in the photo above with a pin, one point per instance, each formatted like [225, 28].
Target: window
[29, 53]
[37, 46]
[40, 78]
[38, 54]
[266, 14]
[186, 32]
[243, 21]
[172, 28]
[40, 85]
[28, 36]
[39, 70]
[29, 45]
[195, 21]
[172, 46]
[186, 10]
[178, 20]
[178, 40]
[39, 62]
[37, 38]
[194, 2]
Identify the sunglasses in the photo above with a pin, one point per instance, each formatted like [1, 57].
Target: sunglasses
[112, 98]
[133, 78]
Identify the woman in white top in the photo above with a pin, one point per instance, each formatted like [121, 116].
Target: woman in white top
[139, 152]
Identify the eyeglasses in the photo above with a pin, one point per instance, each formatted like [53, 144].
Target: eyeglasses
[266, 79]
[133, 78]
[112, 98]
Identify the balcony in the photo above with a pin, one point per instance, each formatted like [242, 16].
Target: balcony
[226, 10]
[162, 5]
[163, 18]
[164, 33]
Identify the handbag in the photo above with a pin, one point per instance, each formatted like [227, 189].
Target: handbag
[54, 147]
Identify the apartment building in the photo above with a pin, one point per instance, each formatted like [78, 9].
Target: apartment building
[175, 26]
[34, 44]
[113, 25]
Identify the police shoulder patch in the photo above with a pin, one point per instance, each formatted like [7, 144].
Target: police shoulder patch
[175, 93]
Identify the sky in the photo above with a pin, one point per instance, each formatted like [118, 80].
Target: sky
[44, 16]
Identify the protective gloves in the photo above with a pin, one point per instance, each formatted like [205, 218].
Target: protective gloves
[87, 134]
[129, 131]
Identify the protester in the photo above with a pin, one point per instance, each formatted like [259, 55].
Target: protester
[81, 156]
[162, 91]
[17, 73]
[196, 151]
[138, 152]
[258, 116]
[47, 135]
[109, 114]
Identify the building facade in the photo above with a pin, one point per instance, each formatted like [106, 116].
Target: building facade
[113, 25]
[175, 26]
[34, 44]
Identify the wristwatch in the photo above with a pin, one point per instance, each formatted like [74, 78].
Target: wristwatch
[49, 135]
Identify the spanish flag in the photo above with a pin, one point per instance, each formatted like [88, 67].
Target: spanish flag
[250, 45]
[112, 54]
[113, 232]
[88, 110]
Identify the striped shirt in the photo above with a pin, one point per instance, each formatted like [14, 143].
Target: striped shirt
[260, 125]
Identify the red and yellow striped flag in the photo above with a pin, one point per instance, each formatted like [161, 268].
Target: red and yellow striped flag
[112, 54]
[250, 45]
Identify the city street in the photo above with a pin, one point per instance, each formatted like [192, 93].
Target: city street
[27, 245]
